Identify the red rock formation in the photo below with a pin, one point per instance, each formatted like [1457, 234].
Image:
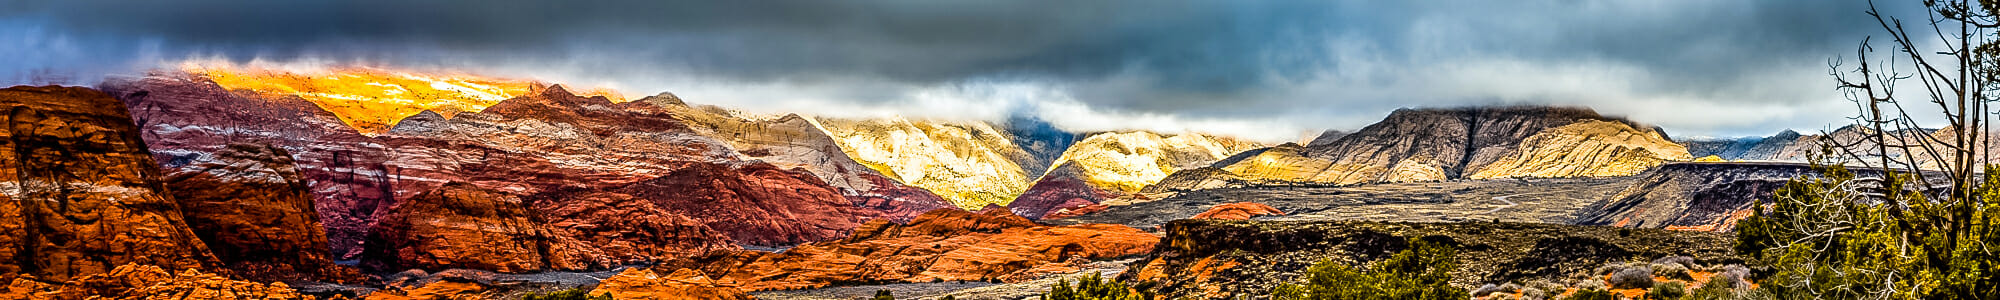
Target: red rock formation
[135, 281]
[644, 284]
[1239, 211]
[249, 204]
[548, 142]
[82, 194]
[1060, 192]
[944, 244]
[462, 226]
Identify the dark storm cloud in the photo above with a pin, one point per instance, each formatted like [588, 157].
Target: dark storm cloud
[1315, 63]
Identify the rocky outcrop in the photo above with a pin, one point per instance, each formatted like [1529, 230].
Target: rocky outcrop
[249, 204]
[1238, 211]
[135, 281]
[1222, 259]
[944, 244]
[1469, 143]
[82, 194]
[644, 284]
[1120, 165]
[462, 226]
[1694, 196]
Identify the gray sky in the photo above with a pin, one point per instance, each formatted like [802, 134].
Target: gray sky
[1269, 70]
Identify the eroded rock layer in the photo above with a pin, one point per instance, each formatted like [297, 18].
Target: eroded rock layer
[1466, 143]
[82, 194]
[945, 244]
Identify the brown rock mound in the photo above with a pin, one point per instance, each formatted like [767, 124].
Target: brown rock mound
[249, 204]
[944, 244]
[1239, 211]
[644, 284]
[84, 195]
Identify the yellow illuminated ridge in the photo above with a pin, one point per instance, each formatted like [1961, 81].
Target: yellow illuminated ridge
[372, 100]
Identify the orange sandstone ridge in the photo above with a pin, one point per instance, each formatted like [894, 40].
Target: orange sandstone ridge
[373, 100]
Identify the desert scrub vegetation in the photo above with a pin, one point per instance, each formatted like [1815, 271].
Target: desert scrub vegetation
[1092, 287]
[1420, 272]
[576, 293]
[1918, 220]
[1672, 277]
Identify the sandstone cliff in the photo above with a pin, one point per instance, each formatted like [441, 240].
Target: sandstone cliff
[462, 226]
[82, 194]
[1467, 143]
[250, 205]
[1111, 165]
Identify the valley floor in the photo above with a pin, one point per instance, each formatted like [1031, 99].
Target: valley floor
[1553, 201]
